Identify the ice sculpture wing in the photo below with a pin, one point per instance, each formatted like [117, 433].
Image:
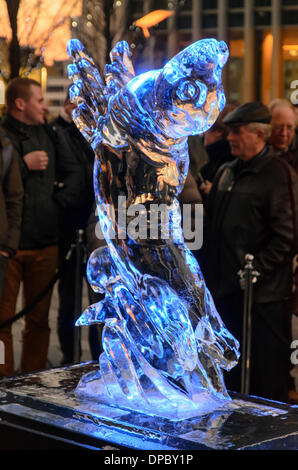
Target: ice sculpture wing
[120, 71]
[88, 92]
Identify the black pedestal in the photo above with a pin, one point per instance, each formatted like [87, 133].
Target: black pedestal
[41, 411]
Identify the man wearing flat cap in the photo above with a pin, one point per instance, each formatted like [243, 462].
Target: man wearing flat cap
[252, 209]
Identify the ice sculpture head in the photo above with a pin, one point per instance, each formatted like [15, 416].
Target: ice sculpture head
[188, 91]
[100, 270]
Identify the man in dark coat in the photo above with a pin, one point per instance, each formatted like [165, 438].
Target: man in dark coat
[75, 220]
[252, 209]
[43, 159]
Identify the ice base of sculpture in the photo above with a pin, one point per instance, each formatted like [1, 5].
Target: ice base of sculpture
[41, 410]
[92, 386]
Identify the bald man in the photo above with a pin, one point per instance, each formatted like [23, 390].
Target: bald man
[283, 136]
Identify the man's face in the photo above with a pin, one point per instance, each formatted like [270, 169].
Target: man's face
[35, 108]
[282, 128]
[243, 143]
[69, 107]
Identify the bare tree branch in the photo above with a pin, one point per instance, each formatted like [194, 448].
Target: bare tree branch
[27, 34]
[14, 46]
[103, 23]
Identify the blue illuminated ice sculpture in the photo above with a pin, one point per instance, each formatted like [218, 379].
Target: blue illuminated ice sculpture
[164, 343]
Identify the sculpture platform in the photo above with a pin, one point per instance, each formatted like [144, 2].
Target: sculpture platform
[41, 410]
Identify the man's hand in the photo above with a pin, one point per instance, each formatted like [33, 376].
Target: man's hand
[4, 253]
[206, 187]
[37, 160]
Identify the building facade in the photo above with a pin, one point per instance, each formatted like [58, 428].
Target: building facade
[262, 36]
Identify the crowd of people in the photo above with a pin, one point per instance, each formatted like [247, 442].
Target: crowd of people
[252, 209]
[247, 181]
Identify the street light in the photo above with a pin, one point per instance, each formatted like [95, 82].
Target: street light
[152, 19]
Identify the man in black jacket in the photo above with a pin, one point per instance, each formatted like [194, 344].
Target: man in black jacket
[71, 223]
[44, 159]
[252, 209]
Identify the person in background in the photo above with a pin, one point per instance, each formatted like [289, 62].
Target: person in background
[73, 221]
[284, 141]
[283, 131]
[197, 155]
[217, 148]
[252, 209]
[44, 160]
[11, 204]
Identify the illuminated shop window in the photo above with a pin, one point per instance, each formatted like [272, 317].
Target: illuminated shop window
[235, 64]
[290, 60]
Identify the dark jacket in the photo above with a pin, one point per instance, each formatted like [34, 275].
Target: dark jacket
[218, 154]
[43, 200]
[11, 199]
[77, 218]
[252, 209]
[291, 154]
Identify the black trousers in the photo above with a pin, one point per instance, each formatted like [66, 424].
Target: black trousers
[66, 312]
[270, 346]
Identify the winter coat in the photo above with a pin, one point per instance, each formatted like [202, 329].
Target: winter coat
[218, 154]
[11, 199]
[252, 209]
[43, 198]
[291, 154]
[77, 218]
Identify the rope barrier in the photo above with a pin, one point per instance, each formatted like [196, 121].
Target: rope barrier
[41, 294]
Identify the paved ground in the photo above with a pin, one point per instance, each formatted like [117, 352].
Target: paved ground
[54, 357]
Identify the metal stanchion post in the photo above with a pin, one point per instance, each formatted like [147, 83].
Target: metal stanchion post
[248, 276]
[79, 254]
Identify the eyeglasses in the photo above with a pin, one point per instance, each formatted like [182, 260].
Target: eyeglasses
[282, 127]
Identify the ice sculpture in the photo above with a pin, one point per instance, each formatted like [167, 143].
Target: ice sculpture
[164, 343]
